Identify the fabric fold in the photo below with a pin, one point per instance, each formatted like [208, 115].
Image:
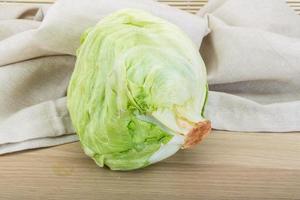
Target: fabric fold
[48, 119]
[37, 143]
[252, 56]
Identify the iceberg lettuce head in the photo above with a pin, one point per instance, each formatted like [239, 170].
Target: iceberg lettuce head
[138, 91]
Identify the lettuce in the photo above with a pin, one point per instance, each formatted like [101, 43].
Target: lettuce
[138, 91]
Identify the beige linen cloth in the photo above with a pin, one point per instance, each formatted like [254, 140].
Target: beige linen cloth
[252, 55]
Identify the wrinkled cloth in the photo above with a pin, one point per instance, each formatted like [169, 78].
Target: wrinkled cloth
[253, 61]
[252, 55]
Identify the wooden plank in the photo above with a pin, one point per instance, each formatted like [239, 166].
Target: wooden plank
[225, 166]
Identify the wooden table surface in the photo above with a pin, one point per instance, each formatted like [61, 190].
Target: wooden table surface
[225, 166]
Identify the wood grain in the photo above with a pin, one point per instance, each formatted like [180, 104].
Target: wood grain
[225, 166]
[189, 5]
